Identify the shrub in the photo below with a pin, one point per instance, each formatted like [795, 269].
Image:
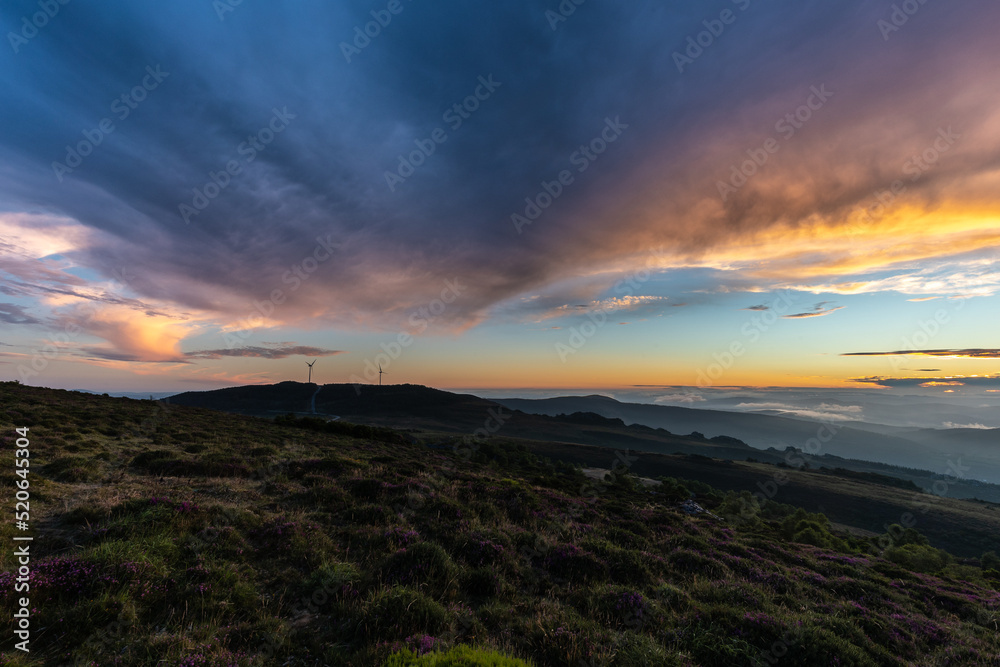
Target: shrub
[423, 564]
[805, 528]
[918, 558]
[460, 656]
[401, 612]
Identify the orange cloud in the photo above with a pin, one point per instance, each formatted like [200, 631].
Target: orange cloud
[973, 353]
[150, 338]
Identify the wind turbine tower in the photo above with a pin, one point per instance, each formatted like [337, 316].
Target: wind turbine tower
[311, 369]
[380, 372]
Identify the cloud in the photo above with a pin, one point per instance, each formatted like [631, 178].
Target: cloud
[151, 338]
[981, 427]
[976, 382]
[822, 412]
[970, 353]
[272, 351]
[319, 189]
[817, 311]
[14, 314]
[758, 308]
[949, 270]
[669, 399]
[543, 309]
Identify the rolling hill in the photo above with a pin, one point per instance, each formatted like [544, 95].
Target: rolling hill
[180, 536]
[598, 421]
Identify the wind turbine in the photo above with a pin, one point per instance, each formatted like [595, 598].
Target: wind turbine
[380, 372]
[311, 369]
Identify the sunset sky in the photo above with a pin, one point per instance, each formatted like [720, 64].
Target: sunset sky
[197, 194]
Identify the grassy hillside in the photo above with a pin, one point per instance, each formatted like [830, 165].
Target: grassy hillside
[181, 536]
[868, 503]
[424, 410]
[427, 410]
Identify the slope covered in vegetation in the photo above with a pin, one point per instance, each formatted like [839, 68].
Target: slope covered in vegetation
[180, 536]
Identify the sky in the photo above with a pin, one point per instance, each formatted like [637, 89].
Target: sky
[526, 194]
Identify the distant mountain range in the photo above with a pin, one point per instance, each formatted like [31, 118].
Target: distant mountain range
[922, 456]
[976, 452]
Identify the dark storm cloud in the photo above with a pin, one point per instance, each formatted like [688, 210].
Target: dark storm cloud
[99, 353]
[270, 352]
[209, 85]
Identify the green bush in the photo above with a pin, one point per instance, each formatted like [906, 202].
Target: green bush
[401, 612]
[805, 528]
[918, 558]
[460, 656]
